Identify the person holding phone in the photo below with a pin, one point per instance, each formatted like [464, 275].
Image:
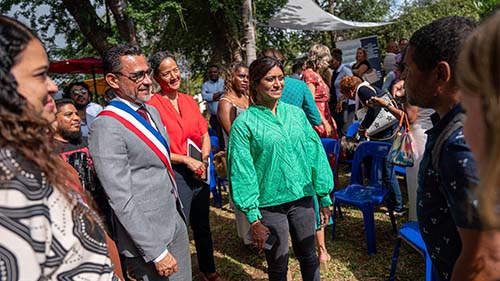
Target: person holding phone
[276, 164]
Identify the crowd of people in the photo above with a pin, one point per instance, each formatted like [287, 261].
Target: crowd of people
[108, 193]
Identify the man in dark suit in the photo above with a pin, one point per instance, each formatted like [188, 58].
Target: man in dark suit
[130, 149]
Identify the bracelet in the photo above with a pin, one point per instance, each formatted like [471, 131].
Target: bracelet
[387, 106]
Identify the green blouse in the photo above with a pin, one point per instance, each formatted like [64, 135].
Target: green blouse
[274, 160]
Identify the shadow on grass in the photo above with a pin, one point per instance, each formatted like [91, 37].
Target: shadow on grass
[233, 259]
[350, 255]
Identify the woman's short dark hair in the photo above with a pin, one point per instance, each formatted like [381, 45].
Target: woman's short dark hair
[111, 61]
[258, 69]
[156, 59]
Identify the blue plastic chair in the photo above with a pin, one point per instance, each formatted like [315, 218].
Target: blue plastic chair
[212, 132]
[332, 149]
[366, 197]
[352, 129]
[214, 179]
[410, 233]
[400, 170]
[214, 142]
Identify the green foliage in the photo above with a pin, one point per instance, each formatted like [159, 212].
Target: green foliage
[486, 7]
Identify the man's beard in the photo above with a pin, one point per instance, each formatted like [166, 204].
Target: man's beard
[72, 137]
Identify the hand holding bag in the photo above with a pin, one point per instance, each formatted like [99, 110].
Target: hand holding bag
[384, 118]
[401, 152]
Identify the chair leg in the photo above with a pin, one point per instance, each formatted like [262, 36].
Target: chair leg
[340, 210]
[369, 219]
[390, 209]
[334, 220]
[429, 274]
[395, 257]
[218, 187]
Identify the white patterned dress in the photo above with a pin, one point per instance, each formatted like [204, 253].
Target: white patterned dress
[43, 236]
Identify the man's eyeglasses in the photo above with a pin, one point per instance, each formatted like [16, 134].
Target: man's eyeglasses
[80, 92]
[135, 77]
[169, 73]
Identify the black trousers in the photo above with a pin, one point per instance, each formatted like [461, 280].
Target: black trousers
[195, 198]
[298, 219]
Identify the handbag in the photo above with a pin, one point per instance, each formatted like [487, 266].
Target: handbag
[384, 118]
[370, 76]
[401, 152]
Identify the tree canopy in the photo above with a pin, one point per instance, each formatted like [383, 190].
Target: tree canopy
[213, 31]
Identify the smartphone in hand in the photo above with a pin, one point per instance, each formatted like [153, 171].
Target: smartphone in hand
[270, 241]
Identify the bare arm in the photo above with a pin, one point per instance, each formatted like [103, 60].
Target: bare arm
[360, 71]
[328, 128]
[480, 256]
[225, 115]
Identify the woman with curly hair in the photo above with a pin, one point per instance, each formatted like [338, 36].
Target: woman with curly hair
[47, 231]
[232, 104]
[318, 58]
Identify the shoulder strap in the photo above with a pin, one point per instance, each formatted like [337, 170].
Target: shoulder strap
[227, 99]
[456, 123]
[356, 97]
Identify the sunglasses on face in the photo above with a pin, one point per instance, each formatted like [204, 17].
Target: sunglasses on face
[135, 77]
[80, 92]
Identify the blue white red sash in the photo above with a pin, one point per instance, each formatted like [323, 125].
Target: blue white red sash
[143, 129]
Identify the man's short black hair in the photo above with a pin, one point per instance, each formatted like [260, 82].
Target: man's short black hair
[213, 65]
[62, 102]
[298, 65]
[336, 54]
[111, 61]
[67, 89]
[441, 40]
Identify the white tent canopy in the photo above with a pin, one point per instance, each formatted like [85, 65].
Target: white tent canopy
[307, 15]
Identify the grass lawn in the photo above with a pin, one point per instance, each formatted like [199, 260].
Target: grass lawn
[350, 261]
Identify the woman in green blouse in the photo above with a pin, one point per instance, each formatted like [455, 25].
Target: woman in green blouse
[276, 164]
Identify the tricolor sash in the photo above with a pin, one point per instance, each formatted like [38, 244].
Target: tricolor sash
[144, 130]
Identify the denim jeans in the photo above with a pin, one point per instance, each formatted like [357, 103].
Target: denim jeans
[392, 183]
[296, 218]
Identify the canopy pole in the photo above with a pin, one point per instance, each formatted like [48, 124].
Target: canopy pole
[95, 84]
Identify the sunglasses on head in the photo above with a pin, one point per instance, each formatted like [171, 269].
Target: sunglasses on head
[80, 92]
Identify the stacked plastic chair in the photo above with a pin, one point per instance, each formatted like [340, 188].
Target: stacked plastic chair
[332, 149]
[366, 197]
[410, 233]
[214, 181]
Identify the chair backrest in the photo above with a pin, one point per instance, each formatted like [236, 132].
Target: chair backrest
[332, 148]
[211, 172]
[212, 132]
[214, 143]
[352, 129]
[376, 152]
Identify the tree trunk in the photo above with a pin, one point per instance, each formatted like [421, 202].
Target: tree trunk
[249, 31]
[331, 4]
[124, 23]
[92, 27]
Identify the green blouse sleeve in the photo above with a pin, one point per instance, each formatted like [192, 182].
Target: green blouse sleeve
[322, 176]
[242, 173]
